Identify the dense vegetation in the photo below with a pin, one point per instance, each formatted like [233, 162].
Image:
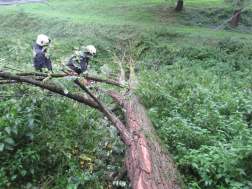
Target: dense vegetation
[200, 103]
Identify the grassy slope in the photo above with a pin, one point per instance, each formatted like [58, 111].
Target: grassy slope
[104, 23]
[141, 13]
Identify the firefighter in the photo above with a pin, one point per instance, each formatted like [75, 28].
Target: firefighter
[40, 58]
[78, 63]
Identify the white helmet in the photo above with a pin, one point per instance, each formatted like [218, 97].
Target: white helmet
[43, 40]
[91, 49]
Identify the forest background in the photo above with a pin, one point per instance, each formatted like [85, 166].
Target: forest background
[200, 104]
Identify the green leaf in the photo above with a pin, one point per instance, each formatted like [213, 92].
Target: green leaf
[227, 180]
[32, 170]
[8, 146]
[99, 173]
[31, 135]
[31, 121]
[9, 140]
[29, 185]
[37, 156]
[1, 147]
[23, 172]
[195, 165]
[85, 157]
[14, 129]
[86, 178]
[8, 129]
[237, 184]
[218, 176]
[13, 177]
[249, 183]
[206, 182]
[7, 156]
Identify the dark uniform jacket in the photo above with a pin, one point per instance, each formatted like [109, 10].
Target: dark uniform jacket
[39, 58]
[73, 64]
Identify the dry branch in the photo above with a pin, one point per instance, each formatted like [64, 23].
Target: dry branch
[51, 88]
[126, 136]
[9, 81]
[108, 81]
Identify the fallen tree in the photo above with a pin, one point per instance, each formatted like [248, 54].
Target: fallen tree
[147, 160]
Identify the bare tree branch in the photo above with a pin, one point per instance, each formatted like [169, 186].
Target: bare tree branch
[9, 81]
[11, 95]
[39, 74]
[51, 88]
[126, 136]
[108, 81]
[26, 95]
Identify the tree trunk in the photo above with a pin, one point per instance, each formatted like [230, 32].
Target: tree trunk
[147, 159]
[179, 6]
[235, 20]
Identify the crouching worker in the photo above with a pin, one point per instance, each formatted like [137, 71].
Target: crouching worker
[78, 63]
[40, 59]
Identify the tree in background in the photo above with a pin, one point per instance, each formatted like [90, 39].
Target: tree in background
[179, 6]
[239, 5]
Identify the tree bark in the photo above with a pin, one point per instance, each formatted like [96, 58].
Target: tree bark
[9, 81]
[179, 6]
[148, 161]
[235, 20]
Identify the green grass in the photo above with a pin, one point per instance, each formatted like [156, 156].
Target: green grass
[141, 14]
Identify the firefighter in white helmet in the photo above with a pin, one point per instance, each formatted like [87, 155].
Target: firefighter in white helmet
[40, 58]
[78, 63]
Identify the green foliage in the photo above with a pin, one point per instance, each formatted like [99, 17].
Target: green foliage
[205, 123]
[17, 131]
[238, 4]
[53, 142]
[214, 17]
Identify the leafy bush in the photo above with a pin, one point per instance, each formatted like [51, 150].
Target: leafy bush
[52, 142]
[206, 126]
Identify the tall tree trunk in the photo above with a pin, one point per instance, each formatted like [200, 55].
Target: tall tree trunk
[147, 159]
[235, 20]
[179, 6]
